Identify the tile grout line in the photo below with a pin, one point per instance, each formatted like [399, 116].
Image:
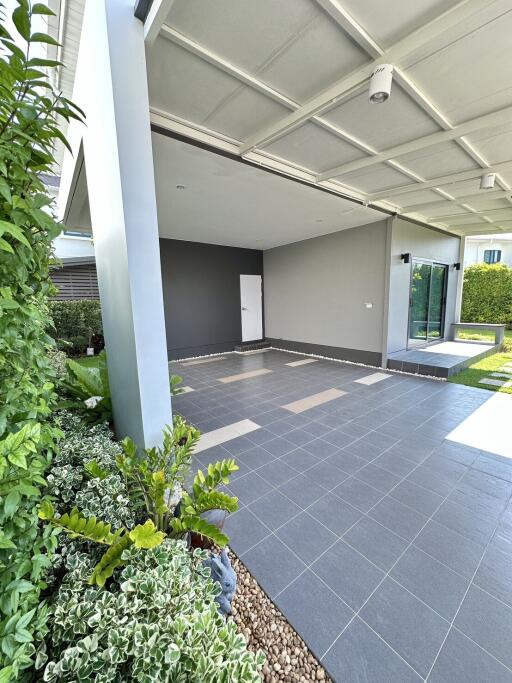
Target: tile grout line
[386, 575]
[467, 591]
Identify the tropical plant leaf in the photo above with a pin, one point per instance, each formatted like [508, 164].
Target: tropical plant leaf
[146, 535]
[182, 525]
[111, 559]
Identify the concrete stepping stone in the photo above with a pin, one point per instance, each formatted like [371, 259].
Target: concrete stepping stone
[506, 375]
[495, 382]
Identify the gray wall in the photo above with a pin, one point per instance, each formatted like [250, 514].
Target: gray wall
[315, 292]
[201, 287]
[420, 242]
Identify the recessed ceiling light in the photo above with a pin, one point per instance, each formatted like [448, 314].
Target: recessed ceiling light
[180, 187]
[380, 83]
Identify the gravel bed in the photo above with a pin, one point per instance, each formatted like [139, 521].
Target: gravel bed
[288, 658]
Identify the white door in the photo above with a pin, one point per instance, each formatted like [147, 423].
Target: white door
[250, 300]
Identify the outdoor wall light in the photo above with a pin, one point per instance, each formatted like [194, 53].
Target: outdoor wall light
[406, 258]
[487, 181]
[456, 266]
[180, 187]
[380, 83]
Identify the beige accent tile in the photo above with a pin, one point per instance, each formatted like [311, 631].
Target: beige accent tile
[314, 400]
[373, 378]
[244, 375]
[200, 361]
[296, 363]
[223, 434]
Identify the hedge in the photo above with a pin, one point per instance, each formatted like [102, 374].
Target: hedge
[487, 294]
[77, 324]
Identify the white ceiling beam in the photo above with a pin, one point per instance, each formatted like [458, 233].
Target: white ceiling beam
[345, 86]
[440, 181]
[473, 199]
[267, 161]
[484, 228]
[497, 118]
[475, 212]
[156, 17]
[243, 77]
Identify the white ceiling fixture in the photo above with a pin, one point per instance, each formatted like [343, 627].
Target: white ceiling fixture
[487, 181]
[380, 83]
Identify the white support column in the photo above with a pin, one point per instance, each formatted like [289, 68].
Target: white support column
[460, 279]
[111, 87]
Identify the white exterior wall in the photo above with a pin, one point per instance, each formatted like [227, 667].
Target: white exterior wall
[68, 246]
[475, 250]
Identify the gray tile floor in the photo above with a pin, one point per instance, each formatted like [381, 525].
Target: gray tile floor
[388, 547]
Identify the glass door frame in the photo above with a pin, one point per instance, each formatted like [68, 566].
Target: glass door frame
[431, 263]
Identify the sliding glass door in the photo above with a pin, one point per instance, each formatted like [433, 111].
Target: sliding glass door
[427, 301]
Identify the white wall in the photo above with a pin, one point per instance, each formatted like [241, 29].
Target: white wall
[475, 250]
[67, 246]
[315, 291]
[420, 242]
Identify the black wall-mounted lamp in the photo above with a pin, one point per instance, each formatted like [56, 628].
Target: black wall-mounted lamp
[456, 266]
[406, 258]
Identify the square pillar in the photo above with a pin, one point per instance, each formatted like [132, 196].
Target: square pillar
[111, 87]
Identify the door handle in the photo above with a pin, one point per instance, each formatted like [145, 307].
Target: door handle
[244, 308]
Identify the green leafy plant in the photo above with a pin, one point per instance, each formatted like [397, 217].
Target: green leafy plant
[29, 113]
[24, 551]
[155, 478]
[87, 389]
[487, 294]
[175, 381]
[91, 529]
[159, 622]
[75, 322]
[153, 481]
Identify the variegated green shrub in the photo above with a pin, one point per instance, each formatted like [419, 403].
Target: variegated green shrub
[158, 623]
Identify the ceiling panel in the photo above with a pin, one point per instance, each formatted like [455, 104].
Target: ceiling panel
[387, 22]
[321, 55]
[382, 126]
[232, 203]
[443, 159]
[473, 75]
[417, 198]
[244, 32]
[373, 179]
[181, 83]
[314, 148]
[242, 112]
[495, 144]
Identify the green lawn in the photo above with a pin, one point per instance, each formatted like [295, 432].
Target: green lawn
[88, 361]
[486, 337]
[472, 375]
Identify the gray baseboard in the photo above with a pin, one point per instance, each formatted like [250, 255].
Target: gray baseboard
[340, 353]
[204, 350]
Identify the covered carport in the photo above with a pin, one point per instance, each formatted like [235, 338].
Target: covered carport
[279, 92]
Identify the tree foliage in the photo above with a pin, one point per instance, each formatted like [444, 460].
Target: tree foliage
[29, 109]
[487, 294]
